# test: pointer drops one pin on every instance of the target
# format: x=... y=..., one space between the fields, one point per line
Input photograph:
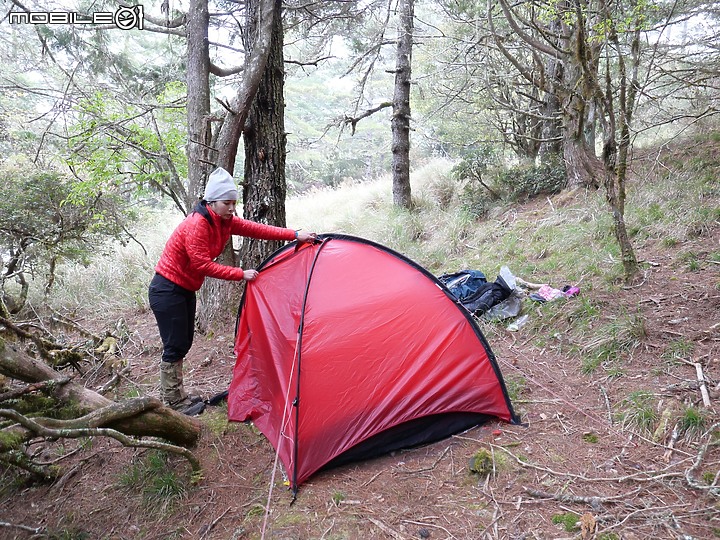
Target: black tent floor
x=412 y=434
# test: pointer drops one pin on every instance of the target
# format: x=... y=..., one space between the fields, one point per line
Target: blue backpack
x=474 y=292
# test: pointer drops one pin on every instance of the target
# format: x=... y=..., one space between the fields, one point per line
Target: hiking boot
x=172 y=392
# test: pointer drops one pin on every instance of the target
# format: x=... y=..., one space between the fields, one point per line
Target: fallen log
x=160 y=422
x=41 y=428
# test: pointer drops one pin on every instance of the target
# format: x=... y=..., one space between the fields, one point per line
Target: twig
x=607 y=405
x=703 y=387
x=214 y=522
x=387 y=530
x=34 y=530
x=114 y=380
x=42 y=386
x=328 y=530
x=74 y=325
x=638 y=477
x=66 y=477
x=60 y=458
x=354 y=121
x=372 y=479
x=423 y=524
x=659 y=512
x=43 y=345
x=567 y=431
x=431 y=467
x=496 y=515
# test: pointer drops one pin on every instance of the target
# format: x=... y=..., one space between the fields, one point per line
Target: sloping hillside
x=616 y=442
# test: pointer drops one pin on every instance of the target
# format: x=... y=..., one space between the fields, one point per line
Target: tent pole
x=296 y=401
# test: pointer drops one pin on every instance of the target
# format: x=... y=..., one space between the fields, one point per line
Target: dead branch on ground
x=648 y=476
x=714 y=488
x=160 y=422
x=44 y=386
x=594 y=501
x=130 y=408
x=33 y=530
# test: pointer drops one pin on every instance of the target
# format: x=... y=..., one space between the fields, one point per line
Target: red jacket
x=188 y=257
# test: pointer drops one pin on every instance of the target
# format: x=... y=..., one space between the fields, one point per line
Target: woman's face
x=224 y=209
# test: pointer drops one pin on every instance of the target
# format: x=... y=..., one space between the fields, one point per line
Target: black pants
x=174 y=309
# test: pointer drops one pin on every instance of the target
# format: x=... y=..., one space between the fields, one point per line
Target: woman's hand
x=305 y=237
x=250 y=275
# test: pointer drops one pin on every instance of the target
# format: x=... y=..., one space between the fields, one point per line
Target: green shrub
x=527 y=181
x=637 y=411
x=160 y=486
x=693 y=422
x=568 y=520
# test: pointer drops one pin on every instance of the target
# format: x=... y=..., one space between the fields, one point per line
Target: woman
x=188 y=258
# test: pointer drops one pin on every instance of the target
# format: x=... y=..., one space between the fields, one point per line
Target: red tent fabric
x=346 y=349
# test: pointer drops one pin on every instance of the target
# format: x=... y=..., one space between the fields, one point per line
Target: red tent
x=347 y=350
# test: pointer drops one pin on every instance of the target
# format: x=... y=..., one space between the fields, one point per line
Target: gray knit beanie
x=220 y=187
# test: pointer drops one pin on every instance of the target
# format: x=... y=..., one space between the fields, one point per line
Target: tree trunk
x=218 y=299
x=618 y=113
x=551 y=145
x=198 y=100
x=584 y=169
x=401 y=107
x=261 y=16
x=615 y=173
x=163 y=422
x=265 y=150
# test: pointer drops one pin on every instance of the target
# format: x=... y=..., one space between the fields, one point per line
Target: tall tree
x=213 y=139
x=573 y=44
x=616 y=99
x=400 y=123
x=265 y=147
x=573 y=52
x=365 y=64
x=199 y=137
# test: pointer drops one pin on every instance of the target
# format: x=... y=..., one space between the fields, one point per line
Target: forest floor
x=573 y=469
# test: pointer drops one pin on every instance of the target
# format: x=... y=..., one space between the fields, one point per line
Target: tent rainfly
x=347 y=350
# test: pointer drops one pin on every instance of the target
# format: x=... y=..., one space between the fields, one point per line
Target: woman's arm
x=252 y=229
x=198 y=243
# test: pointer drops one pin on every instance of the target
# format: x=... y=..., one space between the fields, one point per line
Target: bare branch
x=353 y=121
